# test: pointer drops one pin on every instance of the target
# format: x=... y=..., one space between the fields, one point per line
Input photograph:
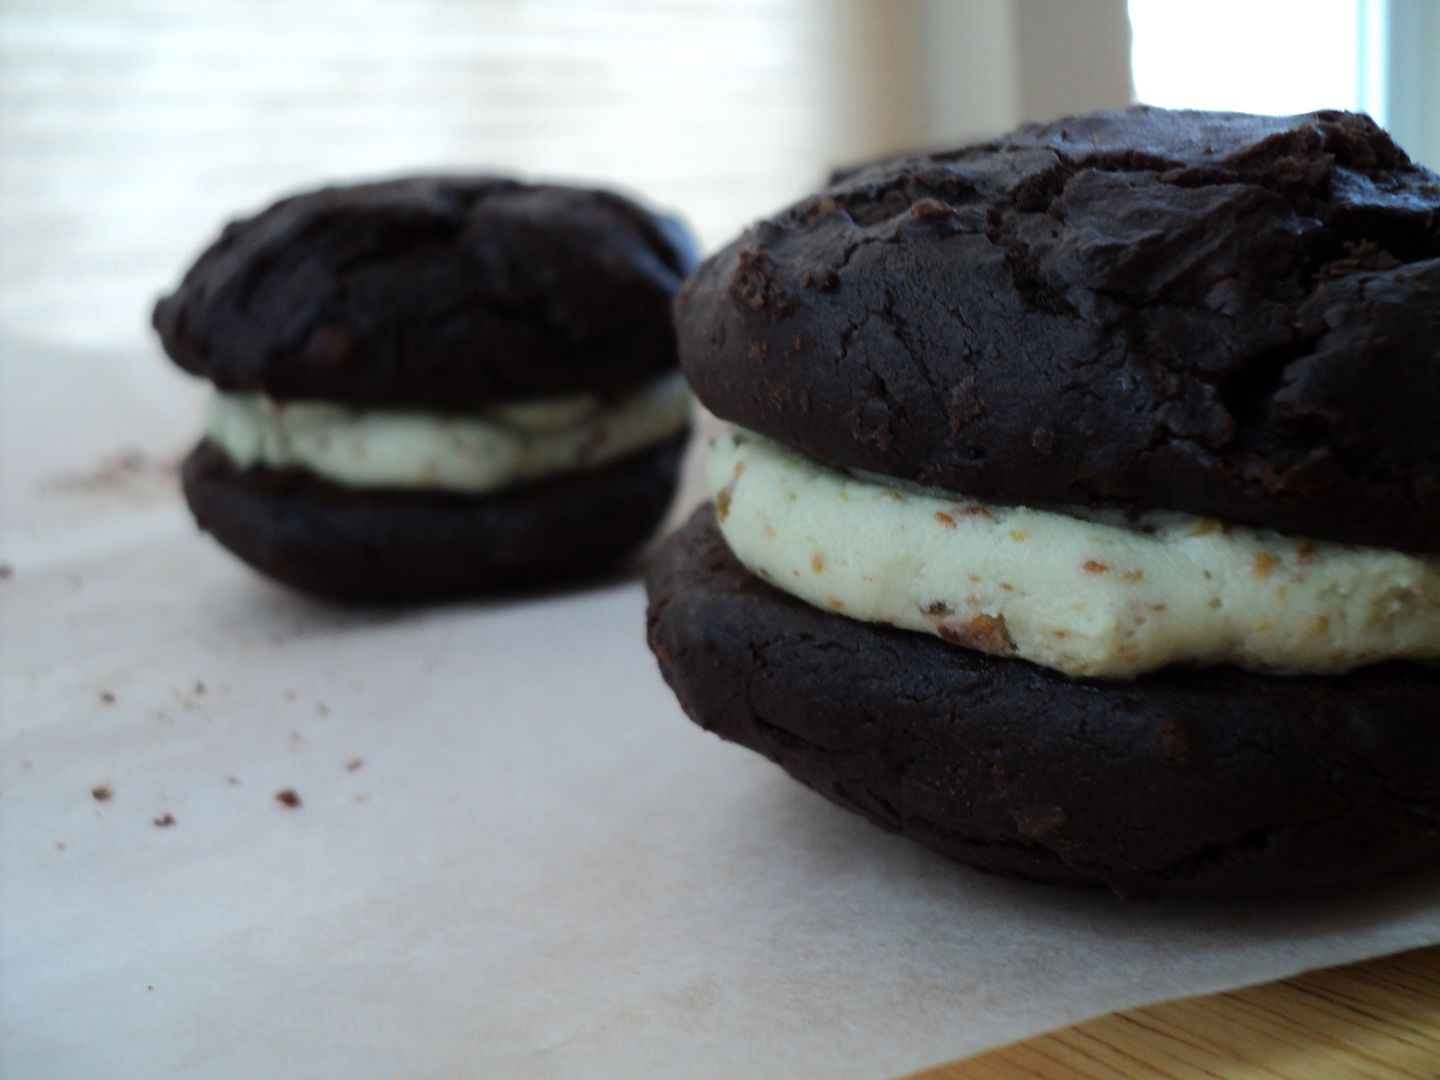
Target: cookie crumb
x=59 y=845
x=107 y=696
x=6 y=571
x=354 y=764
x=288 y=798
x=101 y=793
x=233 y=781
x=164 y=821
x=199 y=687
x=121 y=469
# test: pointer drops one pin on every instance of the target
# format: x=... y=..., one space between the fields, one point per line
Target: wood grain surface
x=1380 y=1018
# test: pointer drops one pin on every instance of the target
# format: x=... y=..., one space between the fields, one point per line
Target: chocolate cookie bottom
x=1207 y=781
x=355 y=544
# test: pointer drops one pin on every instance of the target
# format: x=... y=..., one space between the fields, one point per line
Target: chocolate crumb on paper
x=354 y=764
x=288 y=799
x=107 y=696
x=127 y=470
x=164 y=821
x=101 y=793
x=6 y=571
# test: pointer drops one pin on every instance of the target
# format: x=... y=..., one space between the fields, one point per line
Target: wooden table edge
x=1376 y=1018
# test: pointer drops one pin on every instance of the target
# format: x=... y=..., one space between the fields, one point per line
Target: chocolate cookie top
x=440 y=292
x=1229 y=315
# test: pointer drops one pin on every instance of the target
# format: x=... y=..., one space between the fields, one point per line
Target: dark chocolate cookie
x=1213 y=781
x=1229 y=315
x=433 y=292
x=376 y=545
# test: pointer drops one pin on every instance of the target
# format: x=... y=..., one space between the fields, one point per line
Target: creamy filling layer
x=1090 y=594
x=475 y=453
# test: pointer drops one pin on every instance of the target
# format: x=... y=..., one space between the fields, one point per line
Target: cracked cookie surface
x=1211 y=781
x=449 y=293
x=1227 y=315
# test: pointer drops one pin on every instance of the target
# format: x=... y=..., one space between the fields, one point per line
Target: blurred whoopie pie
x=436 y=385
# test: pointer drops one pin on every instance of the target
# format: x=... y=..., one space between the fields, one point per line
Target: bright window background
x=132 y=129
x=1259 y=56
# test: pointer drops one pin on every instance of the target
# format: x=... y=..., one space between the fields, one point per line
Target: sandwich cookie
x=1082 y=515
x=435 y=386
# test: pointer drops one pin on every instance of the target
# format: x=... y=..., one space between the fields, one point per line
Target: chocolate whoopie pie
x=1082 y=512
x=436 y=385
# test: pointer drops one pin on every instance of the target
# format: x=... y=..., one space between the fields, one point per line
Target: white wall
x=993 y=64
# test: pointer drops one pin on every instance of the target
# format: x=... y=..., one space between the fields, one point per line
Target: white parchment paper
x=513 y=856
